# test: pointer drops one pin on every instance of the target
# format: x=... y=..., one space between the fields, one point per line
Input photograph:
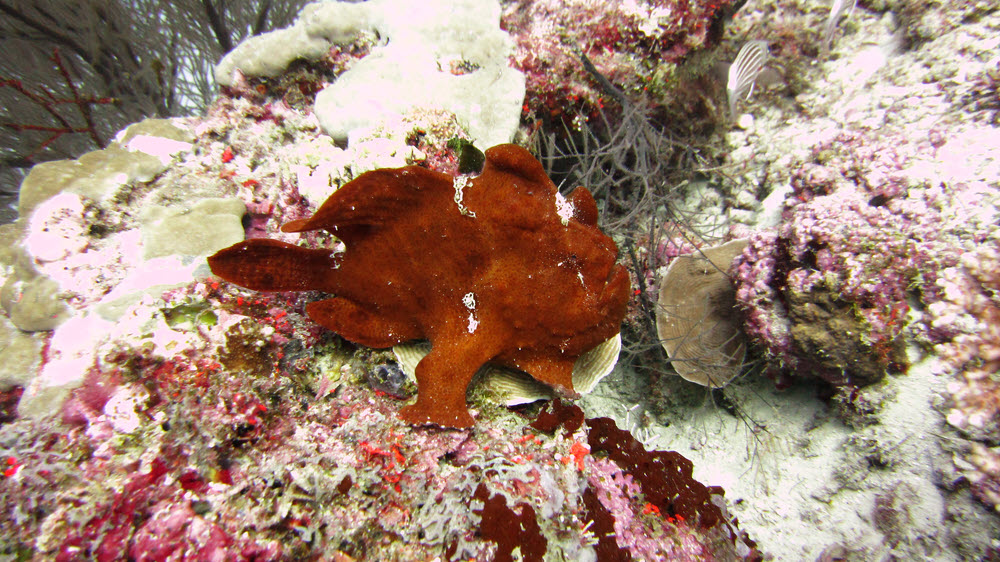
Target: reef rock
x=499 y=268
x=446 y=54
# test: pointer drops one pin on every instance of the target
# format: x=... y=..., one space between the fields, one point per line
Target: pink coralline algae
x=864 y=236
x=622 y=470
x=838 y=268
x=827 y=292
x=237 y=450
x=152 y=521
x=968 y=318
x=634 y=44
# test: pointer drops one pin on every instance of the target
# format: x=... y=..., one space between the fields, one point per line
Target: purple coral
x=828 y=290
x=863 y=236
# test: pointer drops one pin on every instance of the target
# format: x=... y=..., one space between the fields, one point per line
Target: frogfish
x=498 y=268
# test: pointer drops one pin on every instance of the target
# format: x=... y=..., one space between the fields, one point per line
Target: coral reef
x=981 y=94
x=217 y=451
x=158 y=413
x=207 y=421
x=873 y=155
x=136 y=219
x=887 y=238
x=637 y=46
x=827 y=292
x=454 y=261
x=967 y=319
x=435 y=55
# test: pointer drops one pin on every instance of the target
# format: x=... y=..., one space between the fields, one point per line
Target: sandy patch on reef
x=799 y=479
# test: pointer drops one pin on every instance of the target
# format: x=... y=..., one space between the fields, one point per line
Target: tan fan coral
x=696 y=318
